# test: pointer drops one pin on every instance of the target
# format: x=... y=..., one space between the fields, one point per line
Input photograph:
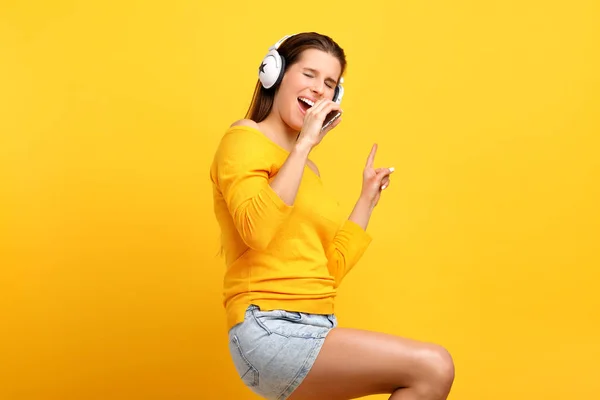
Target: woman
x=288 y=247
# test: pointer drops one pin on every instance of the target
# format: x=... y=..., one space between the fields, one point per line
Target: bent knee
x=440 y=367
x=443 y=364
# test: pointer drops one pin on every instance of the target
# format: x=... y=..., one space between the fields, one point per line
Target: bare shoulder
x=313 y=166
x=238 y=143
x=245 y=122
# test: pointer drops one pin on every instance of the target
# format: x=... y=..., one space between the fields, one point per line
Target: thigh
x=354 y=363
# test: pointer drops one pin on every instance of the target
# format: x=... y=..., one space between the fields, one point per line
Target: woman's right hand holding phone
x=314 y=119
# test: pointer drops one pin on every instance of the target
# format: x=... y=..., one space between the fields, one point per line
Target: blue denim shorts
x=274 y=350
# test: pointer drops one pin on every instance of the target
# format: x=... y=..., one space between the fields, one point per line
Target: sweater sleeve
x=242 y=174
x=347 y=247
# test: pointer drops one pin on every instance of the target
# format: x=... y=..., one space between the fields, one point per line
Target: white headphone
x=272 y=68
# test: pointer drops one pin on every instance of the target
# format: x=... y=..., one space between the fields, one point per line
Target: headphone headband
x=283 y=39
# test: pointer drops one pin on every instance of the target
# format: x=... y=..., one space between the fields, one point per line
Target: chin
x=296 y=127
x=294 y=123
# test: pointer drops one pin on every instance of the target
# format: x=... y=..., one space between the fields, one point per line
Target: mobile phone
x=332 y=116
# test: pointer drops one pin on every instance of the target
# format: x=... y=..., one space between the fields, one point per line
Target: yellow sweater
x=277 y=256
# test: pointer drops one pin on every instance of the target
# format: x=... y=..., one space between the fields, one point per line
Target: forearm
x=349 y=243
x=287 y=181
x=361 y=214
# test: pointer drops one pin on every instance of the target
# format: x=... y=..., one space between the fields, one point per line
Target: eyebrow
x=316 y=72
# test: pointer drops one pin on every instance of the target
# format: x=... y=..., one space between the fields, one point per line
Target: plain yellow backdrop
x=486 y=242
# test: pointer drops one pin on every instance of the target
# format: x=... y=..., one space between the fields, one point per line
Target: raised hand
x=374 y=179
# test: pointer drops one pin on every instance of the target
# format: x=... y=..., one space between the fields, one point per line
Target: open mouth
x=305 y=103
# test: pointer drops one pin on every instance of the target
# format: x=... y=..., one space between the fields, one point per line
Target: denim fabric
x=273 y=350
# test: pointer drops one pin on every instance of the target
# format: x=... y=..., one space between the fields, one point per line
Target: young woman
x=288 y=246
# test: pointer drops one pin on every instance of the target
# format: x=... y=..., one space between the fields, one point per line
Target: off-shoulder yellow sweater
x=277 y=256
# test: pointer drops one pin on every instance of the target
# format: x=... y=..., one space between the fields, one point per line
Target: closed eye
x=330 y=83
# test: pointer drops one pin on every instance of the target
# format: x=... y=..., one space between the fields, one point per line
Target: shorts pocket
x=248 y=374
x=290 y=315
x=291 y=324
x=278 y=314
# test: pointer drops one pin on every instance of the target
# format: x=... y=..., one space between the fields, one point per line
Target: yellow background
x=486 y=242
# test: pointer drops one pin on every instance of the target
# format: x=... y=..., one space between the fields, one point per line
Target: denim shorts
x=274 y=350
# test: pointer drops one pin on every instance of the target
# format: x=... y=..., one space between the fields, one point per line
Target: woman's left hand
x=375 y=180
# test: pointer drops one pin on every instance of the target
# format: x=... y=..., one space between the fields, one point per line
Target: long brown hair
x=290 y=50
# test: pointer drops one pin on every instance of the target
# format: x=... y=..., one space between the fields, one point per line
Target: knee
x=441 y=372
x=444 y=366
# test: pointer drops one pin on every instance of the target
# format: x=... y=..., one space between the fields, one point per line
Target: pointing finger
x=371 y=158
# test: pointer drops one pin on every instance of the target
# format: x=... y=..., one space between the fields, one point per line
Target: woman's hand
x=311 y=133
x=374 y=180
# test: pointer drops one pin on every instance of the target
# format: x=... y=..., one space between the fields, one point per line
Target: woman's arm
x=374 y=181
x=352 y=239
x=361 y=213
x=287 y=181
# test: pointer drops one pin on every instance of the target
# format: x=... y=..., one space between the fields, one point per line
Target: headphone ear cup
x=270 y=69
x=339 y=93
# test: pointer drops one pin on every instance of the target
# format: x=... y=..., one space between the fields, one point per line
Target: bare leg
x=355 y=363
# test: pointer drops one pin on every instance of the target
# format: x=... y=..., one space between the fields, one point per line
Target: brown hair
x=290 y=50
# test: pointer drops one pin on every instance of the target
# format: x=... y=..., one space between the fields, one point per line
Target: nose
x=319 y=89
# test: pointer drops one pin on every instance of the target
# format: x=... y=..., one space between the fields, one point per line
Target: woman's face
x=312 y=77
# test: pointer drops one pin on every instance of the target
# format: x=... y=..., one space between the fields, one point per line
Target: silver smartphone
x=332 y=116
